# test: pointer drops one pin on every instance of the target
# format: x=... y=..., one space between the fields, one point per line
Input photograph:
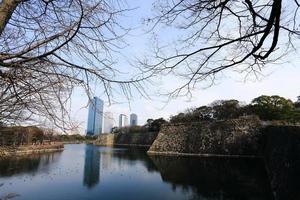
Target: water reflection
x=91 y=166
x=131 y=155
x=100 y=159
x=90 y=172
x=196 y=178
x=215 y=178
x=27 y=163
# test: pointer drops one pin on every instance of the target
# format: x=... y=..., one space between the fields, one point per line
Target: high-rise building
x=95 y=117
x=123 y=120
x=133 y=119
x=108 y=122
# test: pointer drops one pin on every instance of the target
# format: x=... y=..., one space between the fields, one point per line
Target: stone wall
x=105 y=140
x=238 y=137
x=133 y=139
x=282 y=159
x=277 y=145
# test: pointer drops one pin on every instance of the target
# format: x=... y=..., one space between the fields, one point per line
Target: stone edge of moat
x=29 y=149
x=127 y=145
x=170 y=153
x=78 y=142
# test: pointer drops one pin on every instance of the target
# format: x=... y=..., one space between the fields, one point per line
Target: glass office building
x=95 y=117
x=133 y=119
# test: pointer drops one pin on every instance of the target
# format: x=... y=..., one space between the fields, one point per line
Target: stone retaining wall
x=105 y=140
x=132 y=139
x=282 y=160
x=277 y=145
x=239 y=137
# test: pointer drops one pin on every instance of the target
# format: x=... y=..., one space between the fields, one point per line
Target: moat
x=88 y=172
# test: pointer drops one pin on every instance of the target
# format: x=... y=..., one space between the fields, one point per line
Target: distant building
x=95 y=117
x=297 y=103
x=108 y=122
x=133 y=119
x=123 y=120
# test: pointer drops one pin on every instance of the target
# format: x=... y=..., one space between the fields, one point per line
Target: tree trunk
x=7 y=7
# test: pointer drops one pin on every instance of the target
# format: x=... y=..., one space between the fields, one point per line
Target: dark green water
x=88 y=172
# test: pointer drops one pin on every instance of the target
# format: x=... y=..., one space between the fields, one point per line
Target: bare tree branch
x=219 y=35
x=50 y=47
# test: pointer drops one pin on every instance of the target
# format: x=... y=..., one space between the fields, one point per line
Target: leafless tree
x=48 y=47
x=218 y=35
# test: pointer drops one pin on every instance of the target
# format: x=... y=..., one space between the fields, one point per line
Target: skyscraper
x=108 y=122
x=133 y=119
x=95 y=117
x=123 y=120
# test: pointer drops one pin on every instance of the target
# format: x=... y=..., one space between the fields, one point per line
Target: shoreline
x=8 y=151
x=125 y=145
x=78 y=142
x=170 y=153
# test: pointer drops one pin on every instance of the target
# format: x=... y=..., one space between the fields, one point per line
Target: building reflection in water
x=91 y=166
x=96 y=160
x=106 y=159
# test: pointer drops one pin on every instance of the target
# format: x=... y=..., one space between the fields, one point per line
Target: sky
x=280 y=79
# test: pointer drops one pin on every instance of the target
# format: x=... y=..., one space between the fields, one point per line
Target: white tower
x=123 y=120
x=108 y=122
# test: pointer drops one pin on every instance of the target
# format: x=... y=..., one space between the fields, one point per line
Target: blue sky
x=281 y=79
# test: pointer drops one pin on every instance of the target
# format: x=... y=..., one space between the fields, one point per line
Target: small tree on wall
x=297 y=103
x=272 y=107
x=154 y=125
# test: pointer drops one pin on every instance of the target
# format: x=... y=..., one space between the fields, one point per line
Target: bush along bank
x=19 y=140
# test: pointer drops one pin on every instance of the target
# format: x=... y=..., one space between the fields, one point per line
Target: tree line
x=265 y=107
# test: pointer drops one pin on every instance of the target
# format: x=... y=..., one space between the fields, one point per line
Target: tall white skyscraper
x=123 y=120
x=95 y=117
x=133 y=119
x=108 y=122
